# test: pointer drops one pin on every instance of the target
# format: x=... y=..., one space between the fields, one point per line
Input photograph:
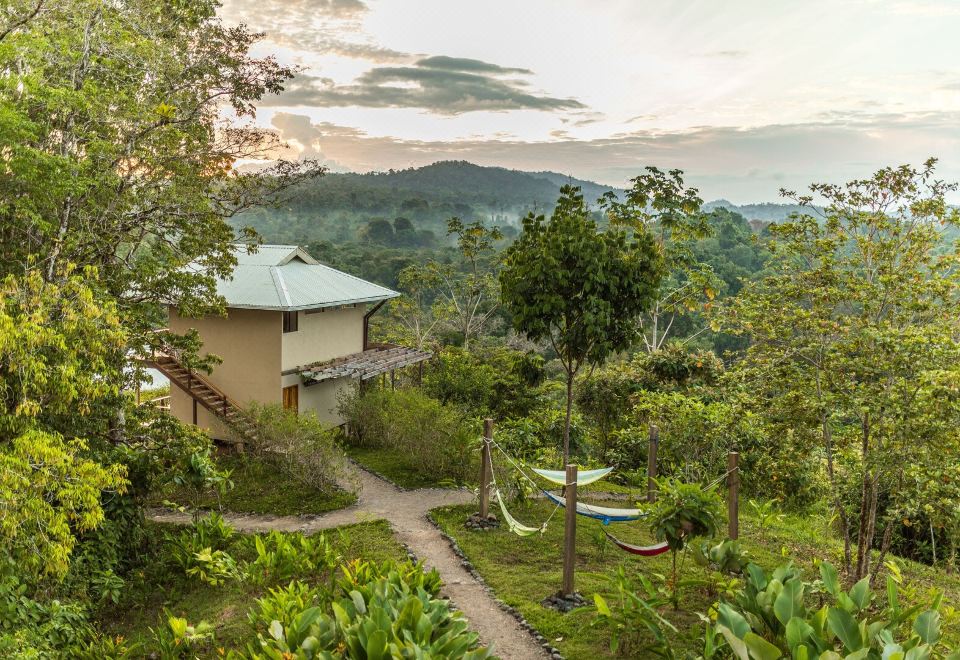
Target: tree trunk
x=868 y=507
x=566 y=423
x=884 y=547
x=837 y=502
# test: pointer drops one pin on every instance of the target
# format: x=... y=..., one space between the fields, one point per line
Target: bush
x=496 y=382
x=697 y=435
x=281 y=557
x=381 y=611
x=433 y=438
x=770 y=617
x=300 y=445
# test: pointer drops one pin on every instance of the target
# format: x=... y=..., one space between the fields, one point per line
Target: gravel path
x=406 y=511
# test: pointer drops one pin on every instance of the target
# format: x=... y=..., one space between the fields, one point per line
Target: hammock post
x=733 y=495
x=652 y=463
x=570 y=531
x=485 y=468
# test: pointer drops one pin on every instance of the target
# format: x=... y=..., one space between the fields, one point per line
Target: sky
x=746 y=96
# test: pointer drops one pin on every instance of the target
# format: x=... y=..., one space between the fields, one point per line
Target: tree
x=581 y=288
x=660 y=203
x=854 y=337
x=116 y=152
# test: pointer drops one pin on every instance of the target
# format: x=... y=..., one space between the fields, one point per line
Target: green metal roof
x=285 y=277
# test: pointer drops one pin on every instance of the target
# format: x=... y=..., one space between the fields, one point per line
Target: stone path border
x=407 y=513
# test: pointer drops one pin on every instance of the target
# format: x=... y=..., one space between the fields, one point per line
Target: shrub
x=498 y=382
x=770 y=617
x=300 y=445
x=283 y=604
x=281 y=557
x=380 y=611
x=432 y=438
x=208 y=534
x=631 y=612
x=176 y=638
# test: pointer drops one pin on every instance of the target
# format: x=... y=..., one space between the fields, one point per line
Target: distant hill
x=338 y=207
x=767 y=211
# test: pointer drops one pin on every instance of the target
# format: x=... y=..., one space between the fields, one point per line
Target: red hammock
x=643 y=550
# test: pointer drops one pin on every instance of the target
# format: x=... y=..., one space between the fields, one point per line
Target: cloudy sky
x=746 y=96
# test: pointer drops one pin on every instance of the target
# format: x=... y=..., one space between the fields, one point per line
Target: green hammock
x=512 y=524
x=583 y=478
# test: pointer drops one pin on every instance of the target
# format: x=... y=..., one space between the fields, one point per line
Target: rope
x=493 y=478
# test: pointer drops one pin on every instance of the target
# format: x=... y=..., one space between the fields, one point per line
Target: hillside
x=340 y=207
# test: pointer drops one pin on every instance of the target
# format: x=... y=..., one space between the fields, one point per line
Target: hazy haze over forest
x=745 y=96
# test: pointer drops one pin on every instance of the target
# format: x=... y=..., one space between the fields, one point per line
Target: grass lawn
x=261 y=487
x=523 y=571
x=152 y=589
x=395 y=466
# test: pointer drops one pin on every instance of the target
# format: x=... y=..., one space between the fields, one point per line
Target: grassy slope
x=259 y=487
x=525 y=570
x=154 y=589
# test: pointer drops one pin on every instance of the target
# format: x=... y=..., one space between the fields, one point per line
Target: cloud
x=440 y=84
x=727 y=53
x=743 y=165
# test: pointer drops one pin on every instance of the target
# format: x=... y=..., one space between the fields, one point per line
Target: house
x=295 y=333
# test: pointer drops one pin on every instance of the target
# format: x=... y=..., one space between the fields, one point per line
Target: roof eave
x=300 y=308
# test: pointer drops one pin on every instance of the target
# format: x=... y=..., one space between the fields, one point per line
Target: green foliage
x=299 y=444
x=772 y=616
x=631 y=612
x=728 y=556
x=565 y=281
x=175 y=637
x=853 y=338
x=206 y=535
x=201 y=476
x=500 y=383
x=681 y=513
x=283 y=604
x=433 y=438
x=281 y=557
x=765 y=514
x=379 y=612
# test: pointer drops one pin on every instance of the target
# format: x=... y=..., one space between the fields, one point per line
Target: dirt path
x=406 y=511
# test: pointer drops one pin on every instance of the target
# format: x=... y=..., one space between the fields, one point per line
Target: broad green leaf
x=737 y=645
x=601 y=604
x=858 y=655
x=927 y=626
x=732 y=620
x=797 y=630
x=831 y=581
x=761 y=649
x=860 y=593
x=789 y=603
x=844 y=626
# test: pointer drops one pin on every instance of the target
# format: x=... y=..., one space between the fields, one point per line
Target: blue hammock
x=604 y=514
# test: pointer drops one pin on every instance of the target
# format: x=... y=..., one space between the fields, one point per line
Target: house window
x=291 y=398
x=290 y=321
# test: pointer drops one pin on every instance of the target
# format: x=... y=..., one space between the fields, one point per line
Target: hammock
x=604 y=514
x=643 y=550
x=512 y=524
x=583 y=478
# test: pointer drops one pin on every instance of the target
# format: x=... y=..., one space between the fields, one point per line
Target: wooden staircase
x=206 y=394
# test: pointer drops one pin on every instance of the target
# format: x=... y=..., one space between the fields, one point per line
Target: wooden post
x=393 y=379
x=420 y=373
x=485 y=468
x=570 y=531
x=652 y=464
x=194 y=411
x=733 y=495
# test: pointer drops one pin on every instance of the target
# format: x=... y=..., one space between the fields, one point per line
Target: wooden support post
x=652 y=464
x=138 y=392
x=420 y=373
x=570 y=532
x=393 y=379
x=485 y=468
x=733 y=495
x=194 y=411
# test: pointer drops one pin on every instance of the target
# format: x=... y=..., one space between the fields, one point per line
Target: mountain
x=767 y=211
x=339 y=207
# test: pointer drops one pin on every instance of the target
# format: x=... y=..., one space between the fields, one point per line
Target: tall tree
x=660 y=203
x=581 y=288
x=855 y=337
x=120 y=123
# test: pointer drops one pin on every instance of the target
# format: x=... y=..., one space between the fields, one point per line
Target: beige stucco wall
x=323 y=336
x=321 y=398
x=249 y=342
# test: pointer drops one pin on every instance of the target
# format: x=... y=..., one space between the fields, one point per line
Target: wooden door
x=291 y=398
